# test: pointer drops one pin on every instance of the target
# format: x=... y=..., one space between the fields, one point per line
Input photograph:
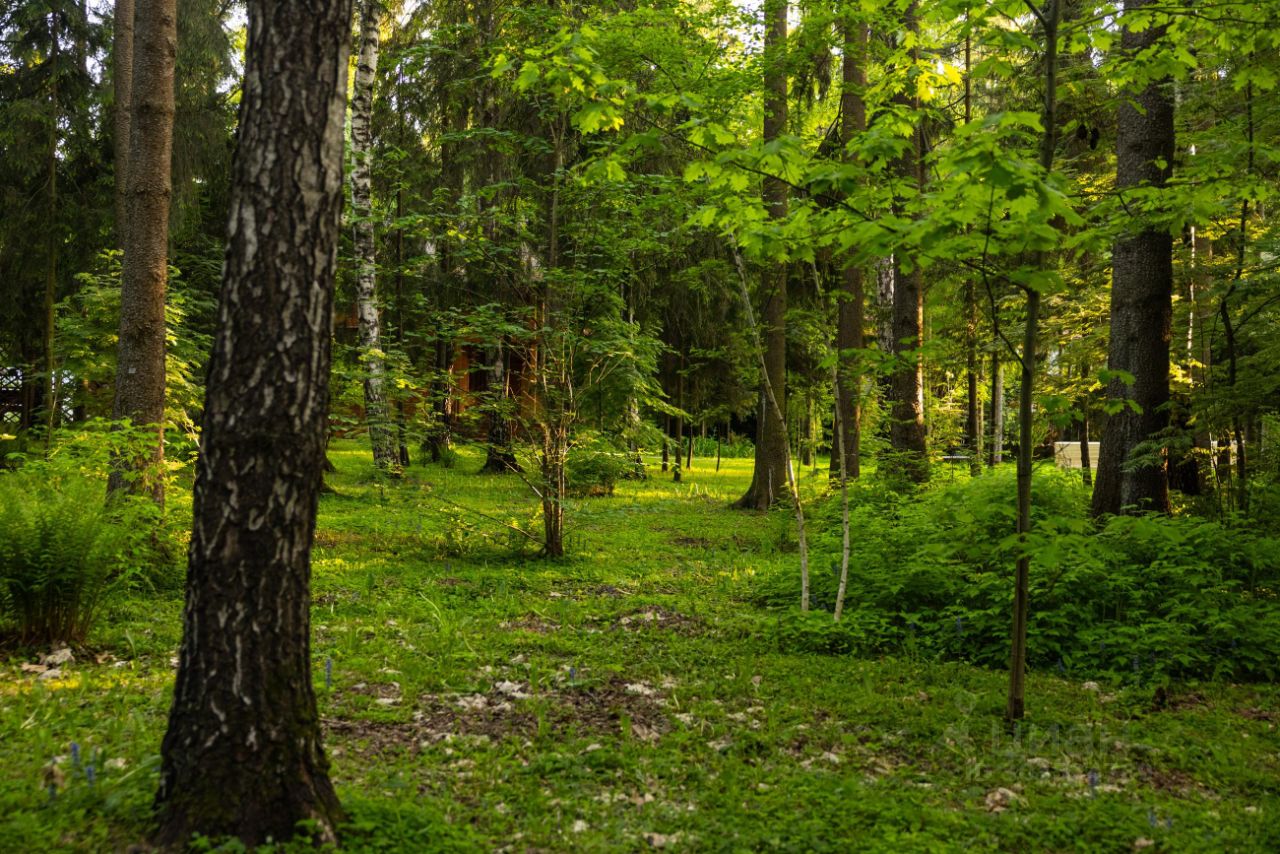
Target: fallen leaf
x=999 y=799
x=661 y=840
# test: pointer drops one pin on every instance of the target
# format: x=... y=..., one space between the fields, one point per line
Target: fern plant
x=59 y=556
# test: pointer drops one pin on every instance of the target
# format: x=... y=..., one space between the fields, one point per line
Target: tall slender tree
x=1130 y=476
x=242 y=755
x=906 y=419
x=769 y=475
x=122 y=85
x=140 y=362
x=1049 y=17
x=381 y=434
x=846 y=458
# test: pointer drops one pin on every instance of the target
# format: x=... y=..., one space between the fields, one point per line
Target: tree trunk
x=852 y=309
x=1086 y=463
x=242 y=755
x=122 y=80
x=1141 y=298
x=381 y=435
x=997 y=409
x=772 y=457
x=499 y=457
x=679 y=446
x=140 y=368
x=1015 y=707
x=51 y=241
x=906 y=417
x=973 y=406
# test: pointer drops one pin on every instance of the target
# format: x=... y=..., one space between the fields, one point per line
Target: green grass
x=483 y=698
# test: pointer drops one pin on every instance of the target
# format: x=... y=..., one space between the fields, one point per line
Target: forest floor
x=630 y=697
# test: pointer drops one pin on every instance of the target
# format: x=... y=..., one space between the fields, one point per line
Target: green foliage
x=87 y=335
x=896 y=752
x=61 y=554
x=1140 y=598
x=594 y=467
x=738 y=448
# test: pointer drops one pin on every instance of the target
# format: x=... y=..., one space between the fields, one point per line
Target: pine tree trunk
x=906 y=417
x=140 y=362
x=242 y=755
x=51 y=242
x=769 y=475
x=852 y=309
x=1141 y=297
x=381 y=435
x=122 y=83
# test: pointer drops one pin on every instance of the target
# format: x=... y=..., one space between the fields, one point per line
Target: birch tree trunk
x=381 y=435
x=140 y=368
x=242 y=755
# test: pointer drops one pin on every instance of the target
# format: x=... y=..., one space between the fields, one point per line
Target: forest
x=614 y=425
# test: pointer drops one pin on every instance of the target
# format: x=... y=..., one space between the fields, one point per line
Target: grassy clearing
x=630 y=697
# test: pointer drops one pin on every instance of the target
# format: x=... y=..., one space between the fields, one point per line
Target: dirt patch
x=607 y=591
x=692 y=542
x=611 y=708
x=368 y=737
x=532 y=623
x=1257 y=714
x=1190 y=701
x=657 y=617
x=1169 y=780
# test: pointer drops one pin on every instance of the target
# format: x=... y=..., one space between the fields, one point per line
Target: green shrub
x=58 y=555
x=594 y=469
x=740 y=448
x=1140 y=598
x=63 y=550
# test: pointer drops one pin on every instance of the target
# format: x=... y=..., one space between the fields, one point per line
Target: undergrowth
x=1135 y=598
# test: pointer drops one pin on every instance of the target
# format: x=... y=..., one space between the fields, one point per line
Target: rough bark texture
x=140 y=380
x=381 y=434
x=906 y=417
x=769 y=475
x=1141 y=299
x=851 y=316
x=242 y=754
x=122 y=81
x=906 y=424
